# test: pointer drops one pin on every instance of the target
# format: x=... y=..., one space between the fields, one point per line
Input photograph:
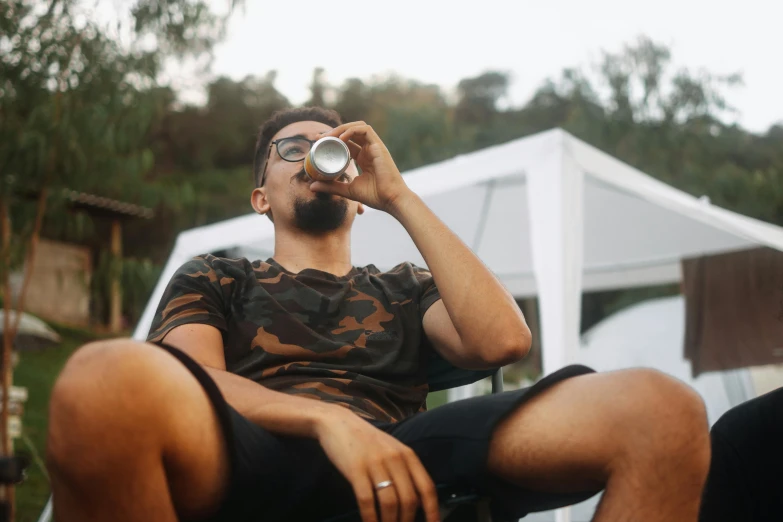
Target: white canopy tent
x=549 y=214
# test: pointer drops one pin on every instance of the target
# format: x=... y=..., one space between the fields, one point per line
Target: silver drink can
x=328 y=158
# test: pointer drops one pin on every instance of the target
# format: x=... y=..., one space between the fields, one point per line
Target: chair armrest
x=442 y=375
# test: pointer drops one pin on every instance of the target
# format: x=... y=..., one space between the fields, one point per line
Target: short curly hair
x=284 y=118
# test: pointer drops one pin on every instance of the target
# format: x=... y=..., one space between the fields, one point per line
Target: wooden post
x=115 y=307
x=6 y=492
x=5 y=439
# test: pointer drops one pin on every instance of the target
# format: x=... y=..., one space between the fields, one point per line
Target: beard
x=324 y=213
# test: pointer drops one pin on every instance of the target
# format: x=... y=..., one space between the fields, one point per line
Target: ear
x=360 y=209
x=259 y=200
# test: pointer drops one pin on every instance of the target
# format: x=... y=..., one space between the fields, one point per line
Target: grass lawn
x=36 y=372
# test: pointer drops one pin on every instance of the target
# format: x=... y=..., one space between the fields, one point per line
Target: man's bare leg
x=640 y=433
x=133 y=437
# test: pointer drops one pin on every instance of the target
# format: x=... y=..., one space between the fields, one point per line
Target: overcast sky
x=444 y=41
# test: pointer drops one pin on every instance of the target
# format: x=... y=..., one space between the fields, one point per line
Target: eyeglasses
x=291 y=149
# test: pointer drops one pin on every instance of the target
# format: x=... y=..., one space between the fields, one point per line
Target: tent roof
x=636 y=229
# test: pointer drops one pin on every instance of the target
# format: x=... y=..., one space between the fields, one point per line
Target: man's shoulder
x=404 y=269
x=404 y=277
x=213 y=266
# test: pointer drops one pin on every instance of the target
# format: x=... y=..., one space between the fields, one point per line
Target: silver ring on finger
x=383 y=485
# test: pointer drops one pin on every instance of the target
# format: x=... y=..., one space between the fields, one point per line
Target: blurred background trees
x=107 y=127
x=79 y=101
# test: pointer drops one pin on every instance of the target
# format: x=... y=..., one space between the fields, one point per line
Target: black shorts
x=280 y=478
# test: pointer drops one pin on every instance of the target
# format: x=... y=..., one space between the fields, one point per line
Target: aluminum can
x=327 y=160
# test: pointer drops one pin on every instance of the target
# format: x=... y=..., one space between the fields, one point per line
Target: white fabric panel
x=615 y=173
x=520 y=285
x=379 y=239
x=497 y=162
x=555 y=202
x=505 y=242
x=523 y=285
x=598 y=279
x=624 y=230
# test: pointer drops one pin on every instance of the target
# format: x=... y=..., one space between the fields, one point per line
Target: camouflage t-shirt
x=355 y=340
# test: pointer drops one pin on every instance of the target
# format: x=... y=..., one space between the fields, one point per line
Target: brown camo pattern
x=356 y=340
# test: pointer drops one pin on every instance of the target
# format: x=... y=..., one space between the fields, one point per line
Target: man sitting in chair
x=294 y=388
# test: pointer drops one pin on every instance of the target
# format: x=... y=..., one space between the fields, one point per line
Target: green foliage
x=137 y=279
x=479 y=96
x=78 y=105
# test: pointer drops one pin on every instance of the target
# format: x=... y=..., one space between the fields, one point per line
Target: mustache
x=301 y=176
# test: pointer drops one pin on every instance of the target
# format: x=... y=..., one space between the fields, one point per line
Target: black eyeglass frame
x=276 y=144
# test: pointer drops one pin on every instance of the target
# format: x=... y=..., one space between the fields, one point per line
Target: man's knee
x=120 y=409
x=106 y=386
x=668 y=399
x=121 y=368
x=662 y=416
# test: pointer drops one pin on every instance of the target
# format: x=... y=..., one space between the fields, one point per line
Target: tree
x=318 y=89
x=353 y=100
x=76 y=103
x=203 y=157
x=479 y=97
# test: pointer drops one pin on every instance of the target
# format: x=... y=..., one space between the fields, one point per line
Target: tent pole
x=555 y=200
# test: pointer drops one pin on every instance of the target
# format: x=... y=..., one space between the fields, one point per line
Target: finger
x=342 y=128
x=354 y=147
x=406 y=492
x=424 y=485
x=360 y=134
x=365 y=497
x=332 y=187
x=387 y=497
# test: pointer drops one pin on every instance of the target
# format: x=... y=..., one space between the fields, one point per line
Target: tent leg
x=563 y=515
x=46 y=514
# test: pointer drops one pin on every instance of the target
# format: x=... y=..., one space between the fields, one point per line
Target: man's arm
x=275 y=411
x=478 y=324
x=363 y=454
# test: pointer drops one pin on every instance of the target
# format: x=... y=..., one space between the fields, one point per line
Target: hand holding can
x=380 y=184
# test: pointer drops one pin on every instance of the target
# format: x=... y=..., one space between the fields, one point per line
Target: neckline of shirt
x=314 y=271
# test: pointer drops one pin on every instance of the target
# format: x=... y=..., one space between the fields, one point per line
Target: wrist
x=399 y=205
x=323 y=418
